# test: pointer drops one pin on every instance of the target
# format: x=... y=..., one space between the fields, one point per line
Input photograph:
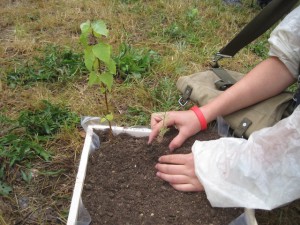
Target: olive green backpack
x=202 y=87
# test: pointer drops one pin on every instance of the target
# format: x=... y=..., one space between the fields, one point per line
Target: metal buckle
x=182 y=102
x=186 y=96
x=218 y=56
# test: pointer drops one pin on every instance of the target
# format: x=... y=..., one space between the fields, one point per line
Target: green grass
x=163 y=95
x=25 y=140
x=47 y=120
x=57 y=64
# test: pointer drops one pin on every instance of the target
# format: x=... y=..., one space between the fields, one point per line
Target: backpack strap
x=268 y=16
x=226 y=80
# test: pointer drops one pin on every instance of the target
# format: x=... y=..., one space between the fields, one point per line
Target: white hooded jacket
x=262 y=172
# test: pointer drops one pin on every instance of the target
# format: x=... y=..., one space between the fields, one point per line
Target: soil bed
x=121 y=186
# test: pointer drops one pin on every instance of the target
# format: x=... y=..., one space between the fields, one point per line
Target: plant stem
x=106 y=104
x=107 y=112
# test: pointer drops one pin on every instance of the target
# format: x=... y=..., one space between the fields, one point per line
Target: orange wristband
x=200 y=117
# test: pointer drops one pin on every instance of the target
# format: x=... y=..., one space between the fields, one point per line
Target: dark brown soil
x=121 y=187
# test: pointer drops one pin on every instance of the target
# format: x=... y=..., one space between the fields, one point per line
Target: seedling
x=162 y=130
x=98 y=61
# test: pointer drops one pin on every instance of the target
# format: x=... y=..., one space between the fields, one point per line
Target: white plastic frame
x=87 y=147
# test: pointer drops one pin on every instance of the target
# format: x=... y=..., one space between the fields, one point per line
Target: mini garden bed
x=121 y=187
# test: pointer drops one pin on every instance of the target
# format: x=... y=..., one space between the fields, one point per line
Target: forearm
x=266 y=80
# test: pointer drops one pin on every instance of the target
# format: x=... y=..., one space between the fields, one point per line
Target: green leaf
x=94 y=78
x=47 y=128
x=103 y=120
x=46 y=155
x=107 y=79
x=102 y=51
x=109 y=117
x=89 y=58
x=4 y=189
x=85 y=27
x=96 y=65
x=84 y=39
x=26 y=177
x=85 y=32
x=112 y=66
x=99 y=28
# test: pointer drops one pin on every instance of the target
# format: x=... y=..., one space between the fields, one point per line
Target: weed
x=4 y=188
x=260 y=48
x=6 y=123
x=15 y=149
x=26 y=176
x=192 y=16
x=20 y=149
x=176 y=31
x=60 y=64
x=186 y=29
x=134 y=63
x=22 y=76
x=47 y=120
x=57 y=65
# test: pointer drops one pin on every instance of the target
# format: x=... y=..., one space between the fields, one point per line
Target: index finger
x=178 y=159
x=154 y=132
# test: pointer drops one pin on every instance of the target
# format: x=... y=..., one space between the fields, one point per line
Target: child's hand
x=179 y=171
x=185 y=121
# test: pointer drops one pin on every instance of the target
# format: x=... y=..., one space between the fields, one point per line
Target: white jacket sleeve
x=285 y=41
x=262 y=172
